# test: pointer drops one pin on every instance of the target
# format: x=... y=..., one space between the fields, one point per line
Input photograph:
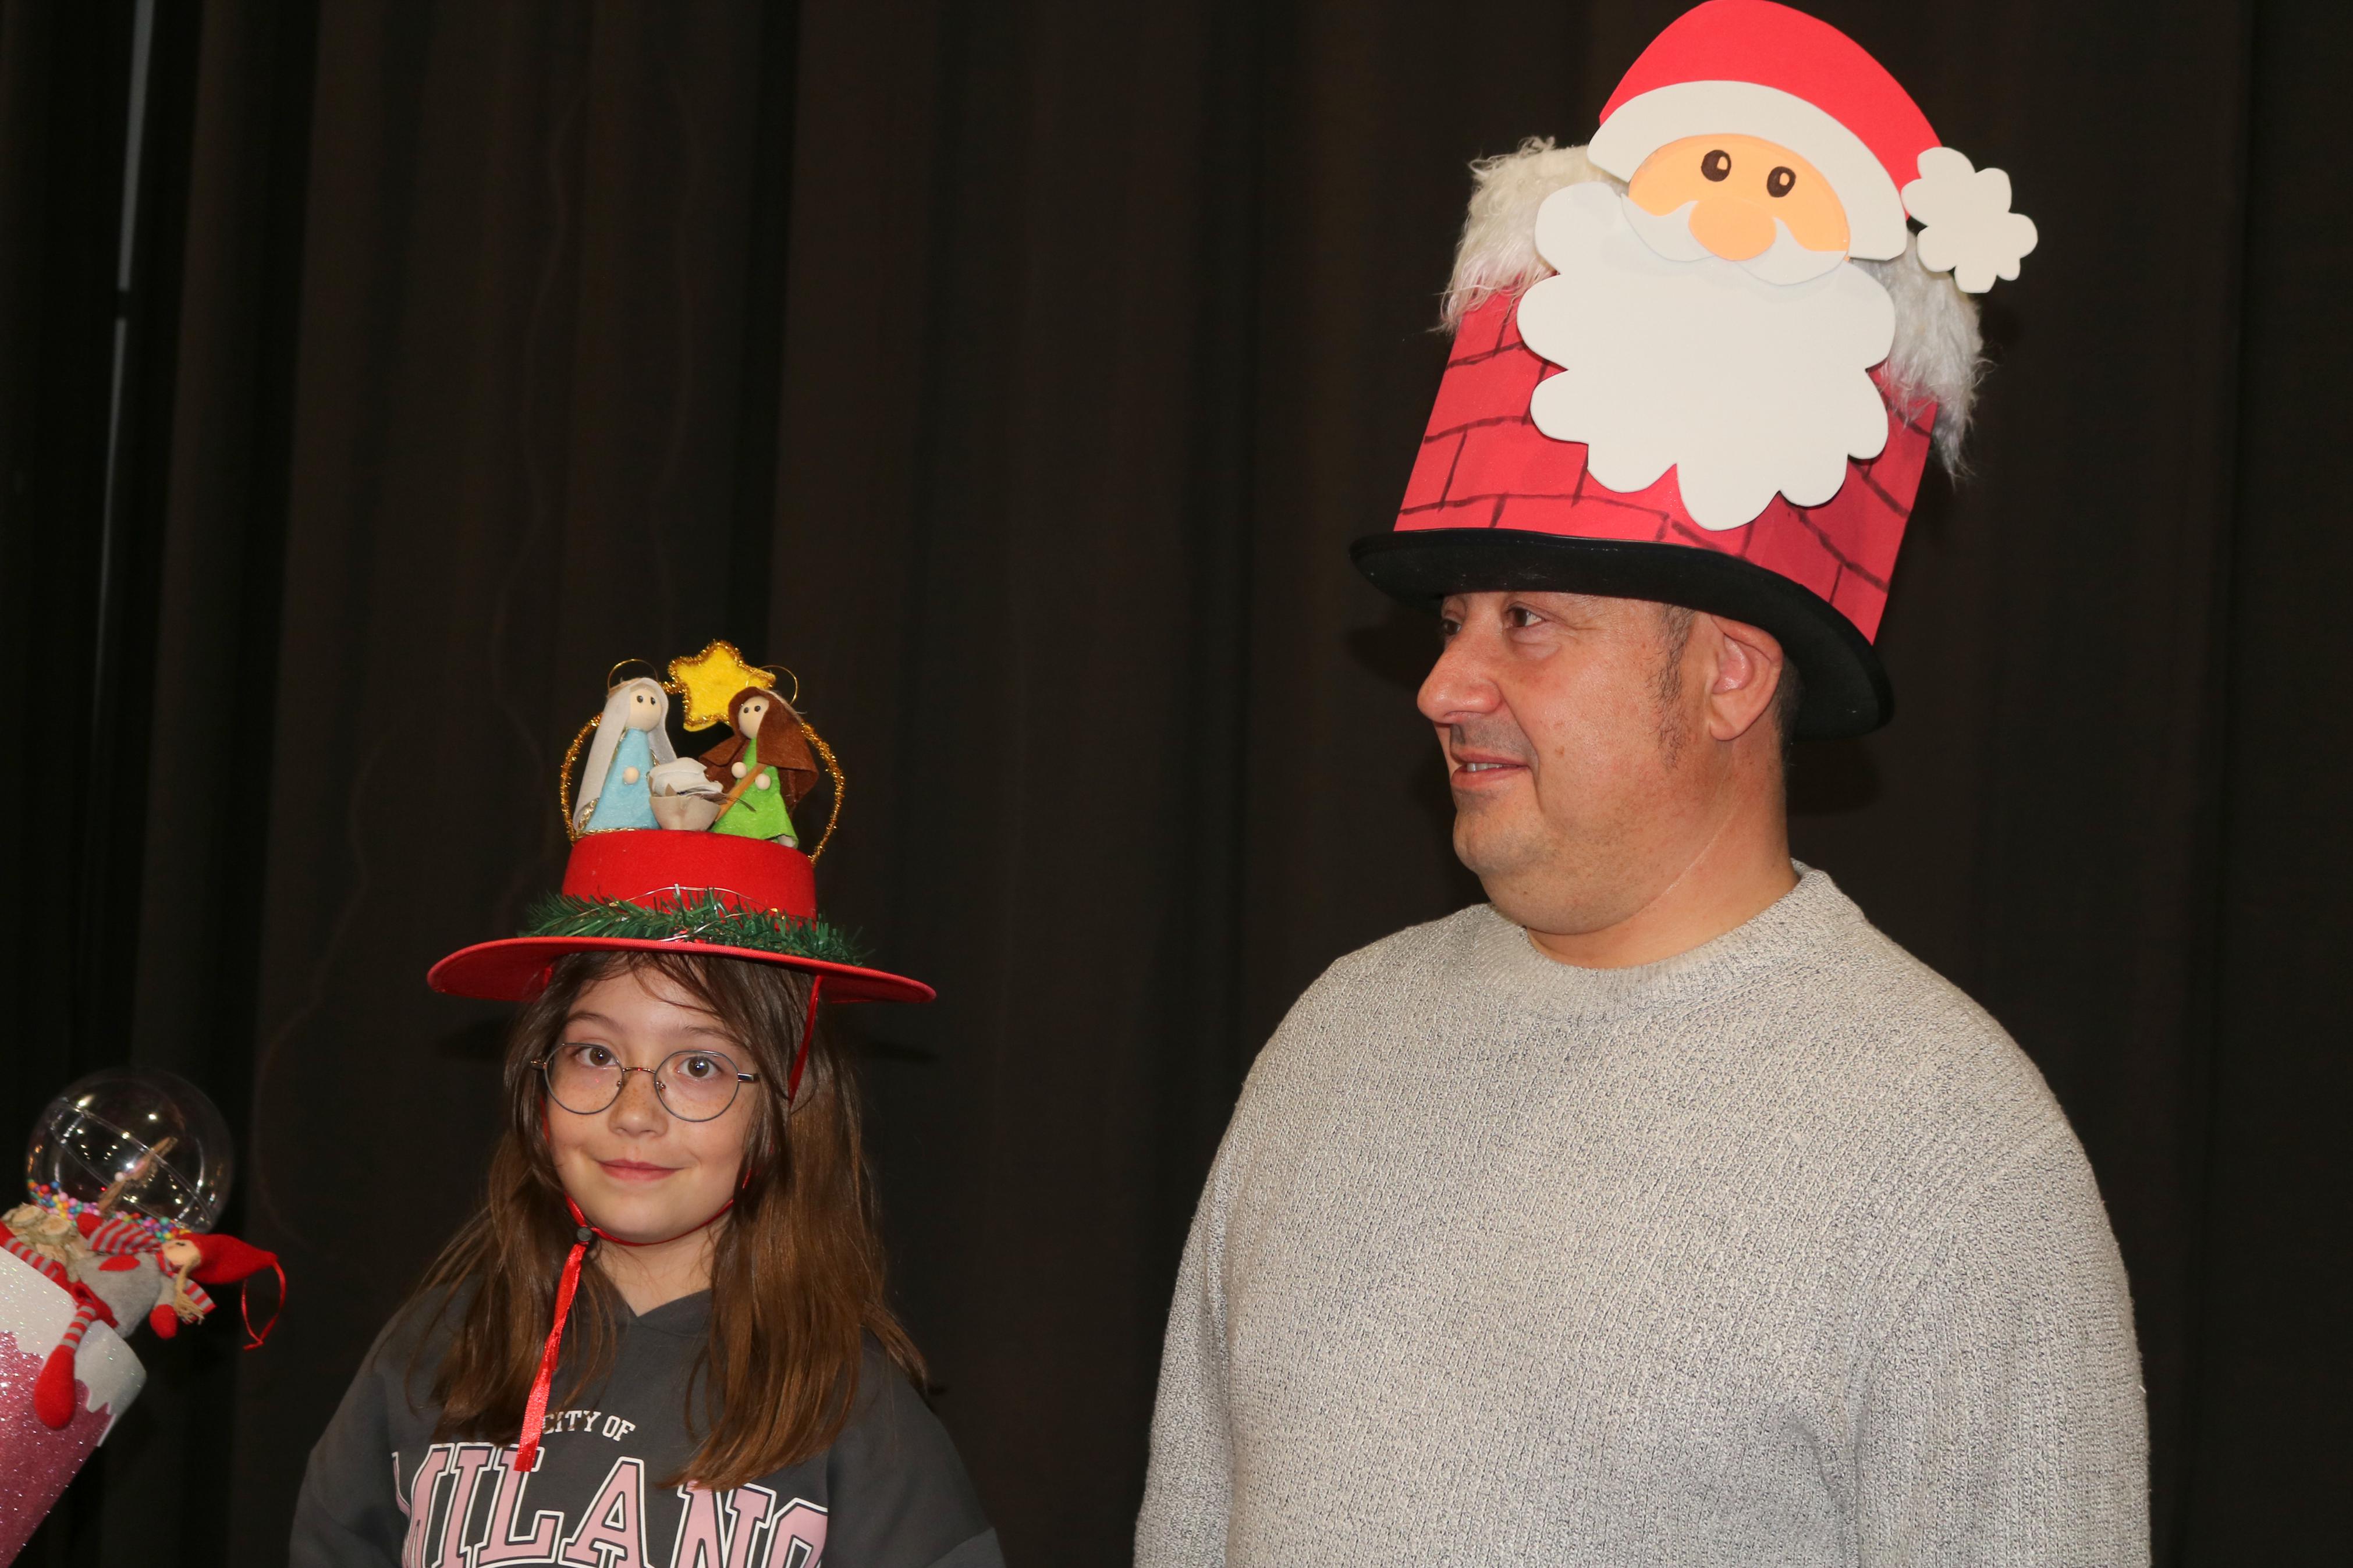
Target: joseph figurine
x=766 y=767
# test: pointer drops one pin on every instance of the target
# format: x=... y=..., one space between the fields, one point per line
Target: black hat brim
x=1846 y=688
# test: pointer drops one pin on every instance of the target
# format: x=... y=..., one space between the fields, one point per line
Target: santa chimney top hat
x=1558 y=459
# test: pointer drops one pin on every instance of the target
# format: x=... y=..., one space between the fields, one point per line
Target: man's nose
x=1457 y=683
x=1731 y=228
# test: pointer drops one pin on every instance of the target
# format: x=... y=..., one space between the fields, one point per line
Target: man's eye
x=1447 y=627
x=1521 y=617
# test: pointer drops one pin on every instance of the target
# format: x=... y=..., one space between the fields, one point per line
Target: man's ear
x=1747 y=663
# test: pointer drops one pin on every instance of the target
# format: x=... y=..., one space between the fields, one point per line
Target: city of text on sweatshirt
x=380 y=1491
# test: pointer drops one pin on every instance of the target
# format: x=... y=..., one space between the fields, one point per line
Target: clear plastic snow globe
x=144 y=1141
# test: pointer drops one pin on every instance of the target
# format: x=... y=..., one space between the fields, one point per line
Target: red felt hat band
x=656 y=868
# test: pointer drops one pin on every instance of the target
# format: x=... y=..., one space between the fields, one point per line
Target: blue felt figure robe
x=624 y=804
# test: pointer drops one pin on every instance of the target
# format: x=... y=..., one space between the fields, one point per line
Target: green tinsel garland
x=705 y=918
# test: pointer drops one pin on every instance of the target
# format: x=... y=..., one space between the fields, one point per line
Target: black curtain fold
x=1018 y=374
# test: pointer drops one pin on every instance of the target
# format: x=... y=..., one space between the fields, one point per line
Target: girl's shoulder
x=899 y=1491
x=409 y=1347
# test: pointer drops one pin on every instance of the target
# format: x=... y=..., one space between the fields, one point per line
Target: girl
x=662 y=1341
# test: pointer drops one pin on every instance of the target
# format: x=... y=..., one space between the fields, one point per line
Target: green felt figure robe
x=760 y=812
x=766 y=768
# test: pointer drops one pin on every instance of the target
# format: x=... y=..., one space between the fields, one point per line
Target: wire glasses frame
x=587 y=1088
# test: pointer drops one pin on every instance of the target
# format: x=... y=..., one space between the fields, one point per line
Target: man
x=1662 y=1211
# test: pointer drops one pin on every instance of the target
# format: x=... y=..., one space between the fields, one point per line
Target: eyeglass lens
x=694 y=1086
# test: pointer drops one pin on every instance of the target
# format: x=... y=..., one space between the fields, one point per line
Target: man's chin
x=1490 y=841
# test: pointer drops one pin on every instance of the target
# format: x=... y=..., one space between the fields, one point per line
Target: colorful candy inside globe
x=139 y=1142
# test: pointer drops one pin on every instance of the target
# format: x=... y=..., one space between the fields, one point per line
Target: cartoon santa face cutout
x=1745 y=199
x=1711 y=320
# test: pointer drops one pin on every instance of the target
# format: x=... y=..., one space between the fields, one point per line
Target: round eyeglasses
x=694 y=1086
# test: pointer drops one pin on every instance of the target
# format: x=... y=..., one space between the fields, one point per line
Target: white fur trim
x=1937 y=355
x=1647 y=121
x=1968 y=228
x=1497 y=254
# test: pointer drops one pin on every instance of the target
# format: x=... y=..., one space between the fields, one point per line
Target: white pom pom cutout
x=1967 y=226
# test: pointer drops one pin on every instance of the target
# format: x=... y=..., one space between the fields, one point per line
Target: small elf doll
x=120 y=1268
x=766 y=768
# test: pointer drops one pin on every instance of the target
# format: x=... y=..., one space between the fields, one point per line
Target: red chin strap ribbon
x=808 y=1033
x=535 y=1409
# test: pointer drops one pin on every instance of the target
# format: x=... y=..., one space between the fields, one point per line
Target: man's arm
x=2002 y=1419
x=1189 y=1486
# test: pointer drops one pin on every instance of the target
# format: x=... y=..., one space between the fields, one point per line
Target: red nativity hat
x=714 y=870
x=1706 y=360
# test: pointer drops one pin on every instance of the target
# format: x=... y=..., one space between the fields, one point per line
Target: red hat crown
x=1484 y=464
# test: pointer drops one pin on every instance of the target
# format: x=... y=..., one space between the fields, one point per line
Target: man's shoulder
x=1444 y=941
x=1371 y=999
x=1405 y=964
x=1897 y=1042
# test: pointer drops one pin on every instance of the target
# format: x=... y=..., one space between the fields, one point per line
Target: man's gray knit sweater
x=1777 y=1252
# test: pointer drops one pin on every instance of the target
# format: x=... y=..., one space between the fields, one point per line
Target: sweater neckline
x=1800 y=923
x=686 y=1317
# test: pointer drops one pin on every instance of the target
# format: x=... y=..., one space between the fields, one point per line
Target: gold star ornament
x=709 y=681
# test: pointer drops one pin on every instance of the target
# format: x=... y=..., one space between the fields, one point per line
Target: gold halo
x=649 y=664
x=795 y=699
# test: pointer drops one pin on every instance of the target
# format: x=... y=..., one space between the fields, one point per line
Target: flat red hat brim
x=514 y=968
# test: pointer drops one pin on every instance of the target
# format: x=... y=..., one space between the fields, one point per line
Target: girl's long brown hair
x=797 y=1276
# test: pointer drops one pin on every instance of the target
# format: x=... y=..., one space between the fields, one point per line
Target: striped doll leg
x=53 y=1392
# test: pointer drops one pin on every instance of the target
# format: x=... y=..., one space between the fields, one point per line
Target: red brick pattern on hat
x=1484 y=464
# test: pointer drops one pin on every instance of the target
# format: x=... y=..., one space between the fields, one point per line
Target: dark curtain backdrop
x=1018 y=374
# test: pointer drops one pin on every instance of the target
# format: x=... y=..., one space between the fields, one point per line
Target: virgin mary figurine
x=631 y=738
x=764 y=770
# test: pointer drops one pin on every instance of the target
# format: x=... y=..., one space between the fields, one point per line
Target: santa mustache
x=1783 y=261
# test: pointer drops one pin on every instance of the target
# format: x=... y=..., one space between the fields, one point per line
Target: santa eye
x=1778 y=182
x=1716 y=166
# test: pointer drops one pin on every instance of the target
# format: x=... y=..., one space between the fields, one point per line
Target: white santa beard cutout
x=1746 y=389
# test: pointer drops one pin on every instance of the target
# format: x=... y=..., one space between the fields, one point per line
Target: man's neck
x=1743 y=870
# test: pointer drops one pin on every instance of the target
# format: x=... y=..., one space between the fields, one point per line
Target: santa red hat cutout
x=1705 y=359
